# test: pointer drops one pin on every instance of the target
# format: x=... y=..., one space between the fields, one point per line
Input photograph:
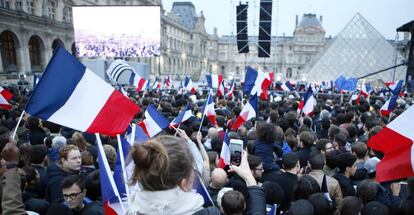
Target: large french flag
x=396 y=142
x=308 y=102
x=389 y=105
x=208 y=109
x=257 y=82
x=287 y=87
x=214 y=80
x=183 y=116
x=224 y=159
x=112 y=199
x=248 y=112
x=154 y=122
x=71 y=95
x=5 y=96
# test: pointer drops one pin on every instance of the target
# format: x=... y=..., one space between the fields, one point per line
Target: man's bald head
x=218 y=178
x=212 y=133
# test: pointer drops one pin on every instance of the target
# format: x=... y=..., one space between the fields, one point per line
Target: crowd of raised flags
x=84 y=102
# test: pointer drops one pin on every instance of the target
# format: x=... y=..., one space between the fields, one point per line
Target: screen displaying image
x=117 y=31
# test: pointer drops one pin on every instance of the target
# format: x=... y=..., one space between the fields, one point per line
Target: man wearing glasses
x=74 y=194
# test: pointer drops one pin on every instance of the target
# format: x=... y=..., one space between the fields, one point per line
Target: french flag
x=396 y=142
x=71 y=95
x=167 y=82
x=183 y=116
x=308 y=102
x=366 y=90
x=248 y=112
x=112 y=199
x=257 y=82
x=5 y=96
x=139 y=137
x=224 y=159
x=198 y=187
x=287 y=87
x=140 y=83
x=154 y=122
x=189 y=86
x=208 y=109
x=156 y=85
x=389 y=106
x=222 y=89
x=396 y=88
x=214 y=81
x=230 y=91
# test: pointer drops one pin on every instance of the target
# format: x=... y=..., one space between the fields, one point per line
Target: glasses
x=71 y=196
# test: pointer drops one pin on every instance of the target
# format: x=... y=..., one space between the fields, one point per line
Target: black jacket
x=256 y=202
x=287 y=181
x=55 y=174
x=347 y=187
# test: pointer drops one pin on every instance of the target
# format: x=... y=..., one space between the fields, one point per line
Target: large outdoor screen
x=117 y=31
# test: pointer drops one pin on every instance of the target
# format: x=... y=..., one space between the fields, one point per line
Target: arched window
x=34 y=51
x=8 y=49
x=289 y=73
x=57 y=43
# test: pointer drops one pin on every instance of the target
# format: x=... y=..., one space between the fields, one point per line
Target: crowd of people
x=51 y=169
x=111 y=46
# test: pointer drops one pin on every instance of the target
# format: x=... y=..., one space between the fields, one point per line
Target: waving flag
x=154 y=122
x=36 y=79
x=71 y=95
x=396 y=142
x=188 y=85
x=140 y=83
x=230 y=92
x=224 y=159
x=342 y=83
x=198 y=187
x=366 y=90
x=273 y=210
x=118 y=68
x=113 y=203
x=389 y=106
x=396 y=88
x=183 y=116
x=287 y=87
x=167 y=82
x=257 y=82
x=214 y=81
x=249 y=112
x=222 y=90
x=156 y=85
x=5 y=96
x=208 y=109
x=308 y=102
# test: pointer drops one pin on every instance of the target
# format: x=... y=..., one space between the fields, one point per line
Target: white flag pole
x=122 y=159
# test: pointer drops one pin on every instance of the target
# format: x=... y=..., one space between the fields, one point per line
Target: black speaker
x=242 y=37
x=265 y=28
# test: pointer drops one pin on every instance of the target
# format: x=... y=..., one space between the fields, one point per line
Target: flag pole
x=18 y=123
x=201 y=124
x=134 y=128
x=104 y=159
x=122 y=159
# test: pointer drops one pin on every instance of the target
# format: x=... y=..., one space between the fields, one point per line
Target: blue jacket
x=265 y=151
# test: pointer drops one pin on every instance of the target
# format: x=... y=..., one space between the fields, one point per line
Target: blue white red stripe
x=154 y=122
x=396 y=142
x=71 y=95
x=214 y=80
x=230 y=92
x=188 y=85
x=5 y=96
x=224 y=159
x=183 y=116
x=389 y=105
x=248 y=112
x=308 y=102
x=208 y=109
x=257 y=82
x=287 y=87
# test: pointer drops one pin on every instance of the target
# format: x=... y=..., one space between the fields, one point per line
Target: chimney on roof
x=297 y=18
x=320 y=18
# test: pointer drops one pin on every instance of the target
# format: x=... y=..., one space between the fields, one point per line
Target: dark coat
x=347 y=187
x=287 y=181
x=265 y=151
x=55 y=174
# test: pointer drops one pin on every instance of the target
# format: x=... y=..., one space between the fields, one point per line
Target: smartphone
x=236 y=149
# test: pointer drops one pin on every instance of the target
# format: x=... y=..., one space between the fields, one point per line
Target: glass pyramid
x=359 y=49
